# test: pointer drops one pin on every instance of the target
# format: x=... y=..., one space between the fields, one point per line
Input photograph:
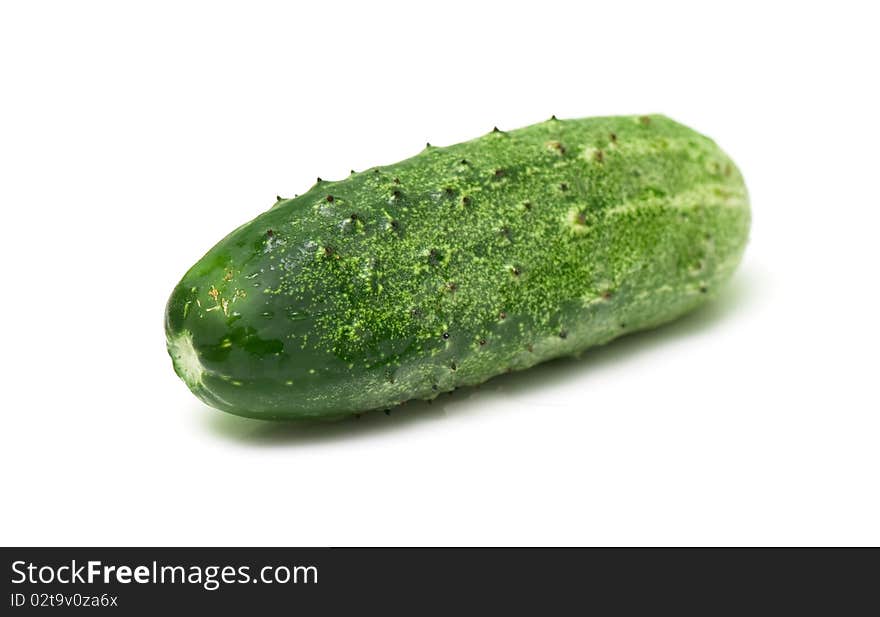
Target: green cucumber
x=458 y=264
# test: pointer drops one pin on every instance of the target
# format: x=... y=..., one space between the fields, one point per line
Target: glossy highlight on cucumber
x=458 y=264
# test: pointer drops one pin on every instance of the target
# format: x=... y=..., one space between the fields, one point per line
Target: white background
x=133 y=136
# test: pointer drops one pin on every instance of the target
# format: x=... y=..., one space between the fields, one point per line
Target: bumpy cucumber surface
x=458 y=264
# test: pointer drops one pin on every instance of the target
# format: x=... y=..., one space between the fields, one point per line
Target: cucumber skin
x=458 y=264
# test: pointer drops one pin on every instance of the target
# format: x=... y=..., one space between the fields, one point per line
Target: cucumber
x=458 y=264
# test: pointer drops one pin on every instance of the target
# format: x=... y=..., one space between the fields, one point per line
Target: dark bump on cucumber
x=557 y=147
